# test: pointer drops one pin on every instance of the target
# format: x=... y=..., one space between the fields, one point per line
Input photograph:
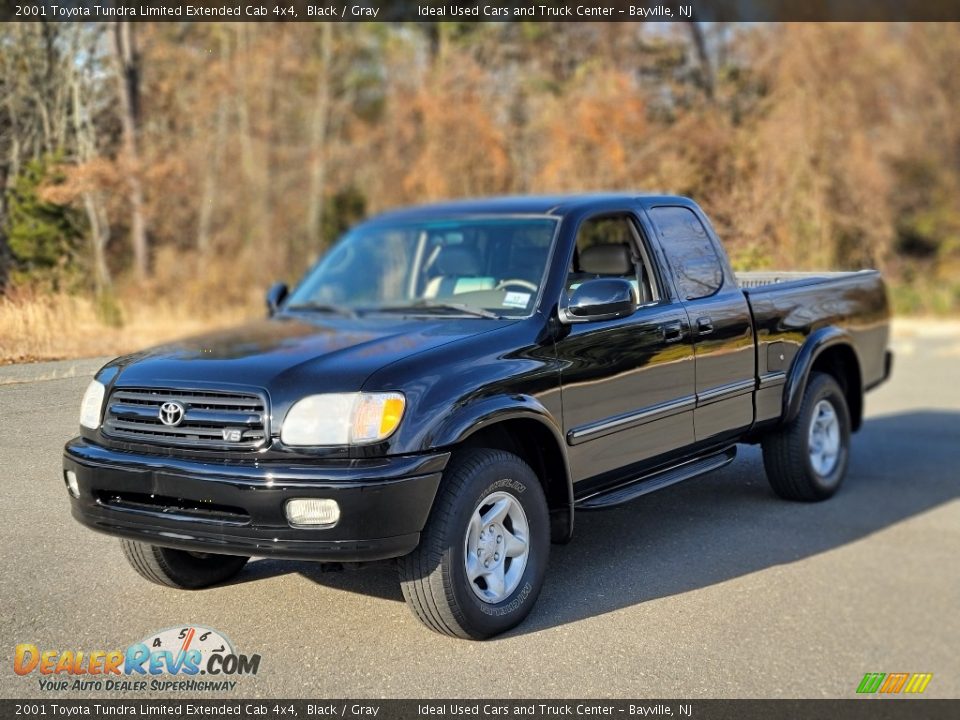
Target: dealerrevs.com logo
x=189 y=658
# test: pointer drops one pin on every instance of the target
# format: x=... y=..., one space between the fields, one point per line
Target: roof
x=519 y=205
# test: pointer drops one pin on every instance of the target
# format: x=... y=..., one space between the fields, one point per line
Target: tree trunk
x=99 y=235
x=5 y=255
x=253 y=179
x=92 y=200
x=318 y=139
x=256 y=143
x=703 y=57
x=210 y=182
x=211 y=177
x=128 y=78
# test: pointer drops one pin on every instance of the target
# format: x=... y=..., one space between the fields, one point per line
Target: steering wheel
x=516 y=282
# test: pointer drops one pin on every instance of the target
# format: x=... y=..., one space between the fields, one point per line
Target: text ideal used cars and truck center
x=451 y=384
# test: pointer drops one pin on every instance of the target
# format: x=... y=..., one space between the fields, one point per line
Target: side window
x=609 y=246
x=692 y=257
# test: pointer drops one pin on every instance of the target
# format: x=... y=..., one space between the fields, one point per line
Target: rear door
x=719 y=321
x=628 y=383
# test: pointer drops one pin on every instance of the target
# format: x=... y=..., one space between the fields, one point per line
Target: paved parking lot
x=713 y=588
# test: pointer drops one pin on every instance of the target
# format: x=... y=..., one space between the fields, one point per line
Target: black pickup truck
x=450 y=383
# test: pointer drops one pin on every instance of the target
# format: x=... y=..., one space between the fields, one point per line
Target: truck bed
x=761 y=279
x=788 y=307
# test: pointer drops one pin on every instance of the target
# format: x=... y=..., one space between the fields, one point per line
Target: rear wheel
x=483 y=554
x=807 y=459
x=180 y=568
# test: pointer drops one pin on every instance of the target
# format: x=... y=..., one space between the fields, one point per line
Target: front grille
x=211 y=419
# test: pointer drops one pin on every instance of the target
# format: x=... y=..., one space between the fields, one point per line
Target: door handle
x=671 y=331
x=704 y=326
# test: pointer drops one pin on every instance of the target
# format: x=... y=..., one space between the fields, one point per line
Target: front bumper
x=236 y=508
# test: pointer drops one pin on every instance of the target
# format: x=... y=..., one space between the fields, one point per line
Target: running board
x=657 y=480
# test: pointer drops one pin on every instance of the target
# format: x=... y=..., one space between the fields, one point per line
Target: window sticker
x=516 y=299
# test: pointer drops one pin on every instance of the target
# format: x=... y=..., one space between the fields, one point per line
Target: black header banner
x=481 y=10
x=260 y=709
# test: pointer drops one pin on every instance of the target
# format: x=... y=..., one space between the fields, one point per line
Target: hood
x=305 y=355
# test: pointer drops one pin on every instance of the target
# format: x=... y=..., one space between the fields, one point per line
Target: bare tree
x=128 y=78
x=85 y=134
x=37 y=68
x=703 y=58
x=318 y=136
x=254 y=127
x=211 y=177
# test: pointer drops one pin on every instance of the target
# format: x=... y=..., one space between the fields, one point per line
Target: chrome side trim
x=617 y=423
x=725 y=392
x=772 y=379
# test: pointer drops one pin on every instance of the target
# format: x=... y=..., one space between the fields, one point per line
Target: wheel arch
x=522 y=426
x=829 y=350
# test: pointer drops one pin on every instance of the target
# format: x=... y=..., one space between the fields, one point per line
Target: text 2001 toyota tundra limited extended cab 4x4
x=449 y=384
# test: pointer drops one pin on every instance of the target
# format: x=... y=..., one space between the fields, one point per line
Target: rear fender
x=799 y=374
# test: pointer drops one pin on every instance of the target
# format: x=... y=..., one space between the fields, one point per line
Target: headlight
x=92 y=405
x=342 y=419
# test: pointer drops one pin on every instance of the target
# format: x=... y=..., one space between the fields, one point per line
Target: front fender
x=467 y=419
x=470 y=417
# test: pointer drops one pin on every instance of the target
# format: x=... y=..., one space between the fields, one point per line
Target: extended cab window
x=692 y=257
x=610 y=246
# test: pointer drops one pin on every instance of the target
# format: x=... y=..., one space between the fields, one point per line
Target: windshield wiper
x=425 y=305
x=323 y=308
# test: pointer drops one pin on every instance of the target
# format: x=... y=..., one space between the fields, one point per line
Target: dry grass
x=36 y=326
x=58 y=326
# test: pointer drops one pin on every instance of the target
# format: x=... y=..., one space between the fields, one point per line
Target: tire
x=795 y=468
x=178 y=568
x=500 y=488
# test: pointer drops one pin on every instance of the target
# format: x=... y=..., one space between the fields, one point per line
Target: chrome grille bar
x=211 y=419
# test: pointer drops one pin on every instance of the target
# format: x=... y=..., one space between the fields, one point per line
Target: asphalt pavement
x=712 y=588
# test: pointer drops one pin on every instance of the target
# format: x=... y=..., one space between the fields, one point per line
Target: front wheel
x=483 y=554
x=180 y=568
x=807 y=458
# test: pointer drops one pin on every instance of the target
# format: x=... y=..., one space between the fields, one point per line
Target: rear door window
x=690 y=252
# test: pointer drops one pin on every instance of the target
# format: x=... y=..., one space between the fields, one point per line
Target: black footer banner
x=481 y=10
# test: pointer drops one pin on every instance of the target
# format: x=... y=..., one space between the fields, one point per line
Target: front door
x=628 y=383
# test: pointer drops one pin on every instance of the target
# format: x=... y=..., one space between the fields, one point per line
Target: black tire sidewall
x=511 y=476
x=196 y=573
x=823 y=387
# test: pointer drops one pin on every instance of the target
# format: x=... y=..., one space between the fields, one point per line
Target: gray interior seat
x=614 y=260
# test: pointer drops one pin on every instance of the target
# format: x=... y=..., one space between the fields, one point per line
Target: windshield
x=485 y=267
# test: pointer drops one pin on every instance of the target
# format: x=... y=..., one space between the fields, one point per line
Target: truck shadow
x=718 y=527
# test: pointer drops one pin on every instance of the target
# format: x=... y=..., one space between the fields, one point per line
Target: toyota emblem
x=171 y=413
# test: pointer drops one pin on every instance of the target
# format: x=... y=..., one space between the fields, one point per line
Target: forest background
x=156 y=178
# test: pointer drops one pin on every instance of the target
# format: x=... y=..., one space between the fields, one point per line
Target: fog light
x=72 y=485
x=311 y=512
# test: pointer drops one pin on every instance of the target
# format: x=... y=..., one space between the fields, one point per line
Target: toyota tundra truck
x=451 y=384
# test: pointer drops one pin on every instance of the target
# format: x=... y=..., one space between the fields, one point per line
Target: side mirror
x=275 y=296
x=600 y=299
